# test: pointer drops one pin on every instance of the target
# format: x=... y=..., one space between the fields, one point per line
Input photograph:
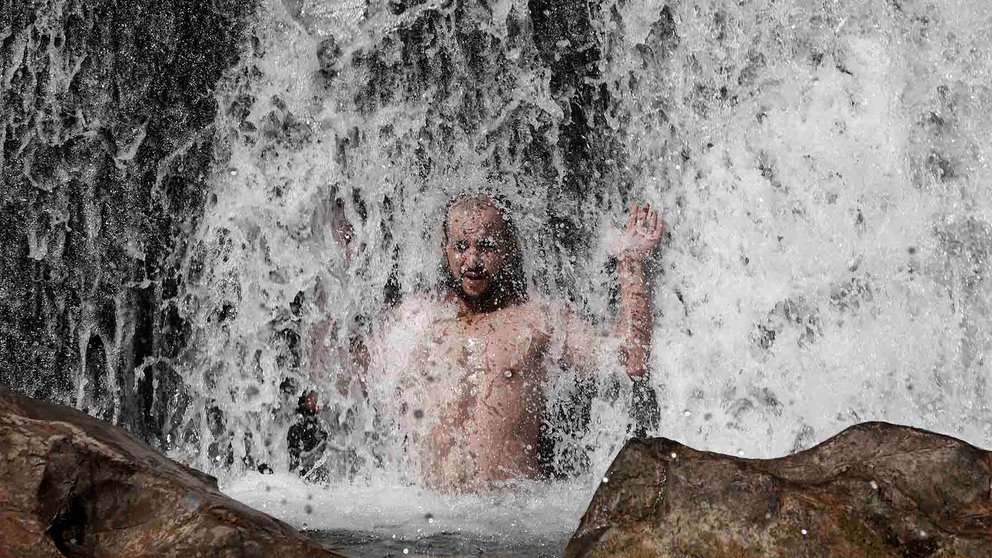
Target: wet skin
x=472 y=404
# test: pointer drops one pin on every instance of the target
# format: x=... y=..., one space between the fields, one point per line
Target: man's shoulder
x=545 y=312
x=547 y=306
x=418 y=306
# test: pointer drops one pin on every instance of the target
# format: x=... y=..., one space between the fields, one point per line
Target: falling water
x=823 y=169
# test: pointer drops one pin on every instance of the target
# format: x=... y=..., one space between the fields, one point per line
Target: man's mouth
x=474 y=276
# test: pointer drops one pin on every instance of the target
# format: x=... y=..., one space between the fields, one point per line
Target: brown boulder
x=71 y=485
x=875 y=490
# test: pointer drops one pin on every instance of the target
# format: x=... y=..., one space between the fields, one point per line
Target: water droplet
x=675 y=455
x=687 y=413
x=508 y=373
x=740 y=453
x=874 y=485
x=406 y=551
x=234 y=173
x=923 y=533
x=529 y=447
x=804 y=532
x=606 y=479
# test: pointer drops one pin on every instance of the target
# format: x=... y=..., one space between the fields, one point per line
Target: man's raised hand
x=642 y=233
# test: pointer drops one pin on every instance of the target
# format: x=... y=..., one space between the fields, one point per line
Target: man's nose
x=472 y=258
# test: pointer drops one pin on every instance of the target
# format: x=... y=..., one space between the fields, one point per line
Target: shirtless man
x=469 y=399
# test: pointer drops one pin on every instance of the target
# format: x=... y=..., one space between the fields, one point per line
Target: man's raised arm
x=641 y=236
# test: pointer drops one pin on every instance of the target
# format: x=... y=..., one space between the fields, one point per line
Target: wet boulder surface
x=72 y=485
x=874 y=490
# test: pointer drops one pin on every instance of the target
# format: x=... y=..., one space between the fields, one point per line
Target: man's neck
x=483 y=305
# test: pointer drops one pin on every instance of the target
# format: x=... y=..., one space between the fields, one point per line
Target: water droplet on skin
x=804 y=532
x=606 y=479
x=508 y=373
x=675 y=455
x=234 y=173
x=874 y=485
x=529 y=447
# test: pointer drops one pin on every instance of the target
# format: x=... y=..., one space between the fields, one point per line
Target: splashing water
x=823 y=170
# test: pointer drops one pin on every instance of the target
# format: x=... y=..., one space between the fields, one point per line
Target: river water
x=824 y=173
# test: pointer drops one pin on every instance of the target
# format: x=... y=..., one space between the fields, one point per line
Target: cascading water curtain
x=344 y=134
x=823 y=169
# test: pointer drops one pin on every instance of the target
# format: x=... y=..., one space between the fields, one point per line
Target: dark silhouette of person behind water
x=306 y=437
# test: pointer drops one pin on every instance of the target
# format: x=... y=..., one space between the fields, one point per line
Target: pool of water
x=386 y=517
x=358 y=544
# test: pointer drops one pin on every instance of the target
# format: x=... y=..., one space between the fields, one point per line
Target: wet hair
x=514 y=282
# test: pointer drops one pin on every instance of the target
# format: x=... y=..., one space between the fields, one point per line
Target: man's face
x=477 y=248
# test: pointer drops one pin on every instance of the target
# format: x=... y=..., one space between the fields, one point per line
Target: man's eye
x=487 y=245
x=461 y=246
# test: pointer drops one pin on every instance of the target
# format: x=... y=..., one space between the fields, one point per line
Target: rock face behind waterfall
x=71 y=485
x=106 y=143
x=874 y=490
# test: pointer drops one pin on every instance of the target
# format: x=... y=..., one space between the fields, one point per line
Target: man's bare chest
x=494 y=360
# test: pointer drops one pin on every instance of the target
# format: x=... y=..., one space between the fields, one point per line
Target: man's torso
x=472 y=402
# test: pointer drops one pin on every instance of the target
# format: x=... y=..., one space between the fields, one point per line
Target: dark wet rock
x=875 y=490
x=71 y=485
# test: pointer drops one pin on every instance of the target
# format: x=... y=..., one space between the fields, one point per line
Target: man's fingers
x=642 y=219
x=654 y=221
x=632 y=218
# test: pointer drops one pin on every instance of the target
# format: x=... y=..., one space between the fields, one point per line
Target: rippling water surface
x=384 y=519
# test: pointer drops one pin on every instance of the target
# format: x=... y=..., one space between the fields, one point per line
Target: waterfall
x=106 y=128
x=821 y=172
x=189 y=266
